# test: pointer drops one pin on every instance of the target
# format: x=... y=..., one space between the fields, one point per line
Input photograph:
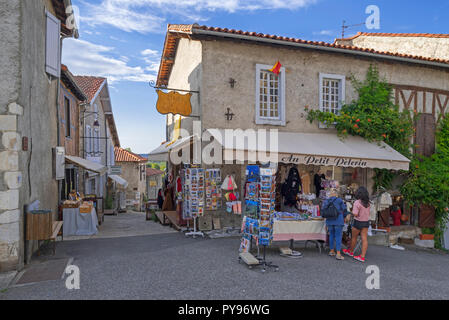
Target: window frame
x=87 y=140
x=342 y=88
x=68 y=125
x=341 y=102
x=280 y=121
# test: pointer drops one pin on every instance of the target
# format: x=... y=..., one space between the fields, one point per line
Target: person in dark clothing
x=160 y=199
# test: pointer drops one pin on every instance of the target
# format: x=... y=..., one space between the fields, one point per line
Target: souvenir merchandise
x=266 y=205
x=229 y=183
x=250 y=230
x=193 y=205
x=291 y=187
x=213 y=190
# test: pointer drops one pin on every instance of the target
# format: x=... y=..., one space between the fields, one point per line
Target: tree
x=374 y=117
x=428 y=181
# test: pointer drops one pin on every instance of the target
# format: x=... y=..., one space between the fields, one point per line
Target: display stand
x=195 y=233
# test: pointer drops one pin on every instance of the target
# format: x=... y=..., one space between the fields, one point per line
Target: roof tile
x=122 y=155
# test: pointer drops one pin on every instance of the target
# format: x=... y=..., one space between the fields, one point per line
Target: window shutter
x=52 y=46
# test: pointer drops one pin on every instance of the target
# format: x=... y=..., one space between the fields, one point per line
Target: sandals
x=339 y=257
x=332 y=253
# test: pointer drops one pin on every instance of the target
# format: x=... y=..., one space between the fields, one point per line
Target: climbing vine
x=428 y=181
x=374 y=117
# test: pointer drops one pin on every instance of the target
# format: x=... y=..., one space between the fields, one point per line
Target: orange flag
x=276 y=68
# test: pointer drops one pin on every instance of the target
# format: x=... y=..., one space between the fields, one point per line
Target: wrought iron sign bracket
x=153 y=85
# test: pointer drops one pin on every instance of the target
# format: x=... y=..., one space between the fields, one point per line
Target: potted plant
x=427 y=234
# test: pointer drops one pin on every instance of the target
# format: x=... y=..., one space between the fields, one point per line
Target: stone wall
x=27 y=110
x=431 y=47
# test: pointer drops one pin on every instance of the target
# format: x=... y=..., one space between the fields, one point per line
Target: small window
x=88 y=140
x=332 y=92
x=270 y=96
x=67 y=117
x=96 y=142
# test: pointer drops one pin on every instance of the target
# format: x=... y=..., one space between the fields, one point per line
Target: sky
x=122 y=40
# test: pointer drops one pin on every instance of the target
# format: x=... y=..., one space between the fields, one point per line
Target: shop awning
x=161 y=153
x=119 y=180
x=321 y=149
x=86 y=164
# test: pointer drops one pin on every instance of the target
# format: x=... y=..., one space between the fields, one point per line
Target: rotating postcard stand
x=258 y=222
x=193 y=205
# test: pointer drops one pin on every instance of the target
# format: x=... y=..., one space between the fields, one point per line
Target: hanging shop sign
x=324 y=161
x=174 y=102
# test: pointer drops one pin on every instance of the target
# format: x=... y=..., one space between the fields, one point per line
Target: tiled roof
x=176 y=31
x=122 y=155
x=90 y=85
x=413 y=35
x=68 y=79
x=153 y=172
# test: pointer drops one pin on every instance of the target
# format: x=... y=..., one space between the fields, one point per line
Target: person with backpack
x=334 y=210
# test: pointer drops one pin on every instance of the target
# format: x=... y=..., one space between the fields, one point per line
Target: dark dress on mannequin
x=291 y=187
x=317 y=182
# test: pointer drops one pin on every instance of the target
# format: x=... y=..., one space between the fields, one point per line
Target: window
x=88 y=140
x=52 y=46
x=112 y=156
x=332 y=92
x=67 y=117
x=96 y=142
x=270 y=96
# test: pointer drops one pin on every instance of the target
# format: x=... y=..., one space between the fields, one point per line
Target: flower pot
x=426 y=237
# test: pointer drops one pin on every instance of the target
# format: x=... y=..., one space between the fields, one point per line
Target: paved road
x=169 y=266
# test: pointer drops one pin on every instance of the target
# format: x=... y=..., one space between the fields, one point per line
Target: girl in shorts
x=360 y=211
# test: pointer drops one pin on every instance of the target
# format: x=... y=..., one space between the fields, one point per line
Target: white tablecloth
x=79 y=224
x=299 y=230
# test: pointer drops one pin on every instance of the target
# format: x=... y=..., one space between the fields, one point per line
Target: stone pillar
x=10 y=184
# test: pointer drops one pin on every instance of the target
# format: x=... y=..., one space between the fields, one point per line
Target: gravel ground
x=171 y=266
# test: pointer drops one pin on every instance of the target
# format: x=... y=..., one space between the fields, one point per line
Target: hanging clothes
x=305 y=180
x=317 y=182
x=291 y=187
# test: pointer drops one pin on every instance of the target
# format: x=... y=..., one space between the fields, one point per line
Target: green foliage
x=157 y=165
x=374 y=117
x=109 y=203
x=428 y=181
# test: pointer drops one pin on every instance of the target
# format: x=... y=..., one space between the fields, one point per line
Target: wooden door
x=425 y=134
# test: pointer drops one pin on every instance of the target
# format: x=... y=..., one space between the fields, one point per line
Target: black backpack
x=330 y=212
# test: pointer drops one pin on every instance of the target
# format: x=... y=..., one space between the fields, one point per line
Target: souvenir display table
x=80 y=219
x=299 y=230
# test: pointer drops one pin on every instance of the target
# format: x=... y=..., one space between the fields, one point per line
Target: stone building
x=226 y=72
x=98 y=135
x=154 y=182
x=32 y=33
x=133 y=169
x=419 y=44
x=71 y=99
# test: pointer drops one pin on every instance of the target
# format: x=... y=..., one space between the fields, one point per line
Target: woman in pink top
x=360 y=211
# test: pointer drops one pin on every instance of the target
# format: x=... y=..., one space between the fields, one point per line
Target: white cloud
x=324 y=33
x=86 y=58
x=150 y=15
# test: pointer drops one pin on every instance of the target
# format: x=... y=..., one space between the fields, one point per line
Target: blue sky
x=122 y=40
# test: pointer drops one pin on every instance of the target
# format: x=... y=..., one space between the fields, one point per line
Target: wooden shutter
x=425 y=134
x=426 y=217
x=52 y=46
